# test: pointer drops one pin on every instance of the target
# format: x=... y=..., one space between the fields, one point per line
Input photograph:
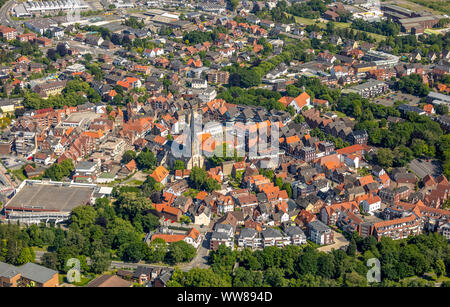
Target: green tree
x=83 y=216
x=179 y=165
x=180 y=252
x=384 y=157
x=100 y=262
x=26 y=255
x=146 y=159
x=49 y=260
x=129 y=204
x=128 y=156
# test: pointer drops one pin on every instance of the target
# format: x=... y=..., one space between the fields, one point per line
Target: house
x=301 y=101
x=193 y=237
x=371 y=204
x=358 y=137
x=160 y=174
x=93 y=40
x=331 y=15
x=27 y=275
x=222 y=234
x=326 y=57
x=320 y=233
x=42 y=158
x=248 y=237
x=143 y=274
x=429 y=109
x=296 y=235
x=199 y=83
x=151 y=53
x=273 y=237
x=8 y=33
x=202 y=214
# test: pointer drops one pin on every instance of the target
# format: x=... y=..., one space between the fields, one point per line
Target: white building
x=372 y=204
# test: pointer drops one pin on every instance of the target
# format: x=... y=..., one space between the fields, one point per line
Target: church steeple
x=195 y=128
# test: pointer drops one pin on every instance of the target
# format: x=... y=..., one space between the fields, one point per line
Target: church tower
x=196 y=158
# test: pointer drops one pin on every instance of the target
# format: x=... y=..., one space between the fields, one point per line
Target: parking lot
x=422 y=167
x=12 y=163
x=389 y=99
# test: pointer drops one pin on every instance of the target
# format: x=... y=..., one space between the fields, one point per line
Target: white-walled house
x=372 y=204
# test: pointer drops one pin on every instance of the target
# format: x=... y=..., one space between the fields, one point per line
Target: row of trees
x=107 y=231
x=383 y=27
x=412 y=84
x=310 y=9
x=255 y=97
x=251 y=76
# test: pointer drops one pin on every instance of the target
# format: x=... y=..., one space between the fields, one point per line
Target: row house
x=8 y=33
x=391 y=195
x=330 y=215
x=251 y=238
x=222 y=234
x=396 y=229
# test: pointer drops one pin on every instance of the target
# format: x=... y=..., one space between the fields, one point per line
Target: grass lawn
x=84 y=279
x=434 y=6
x=135 y=182
x=432 y=31
x=18 y=173
x=340 y=114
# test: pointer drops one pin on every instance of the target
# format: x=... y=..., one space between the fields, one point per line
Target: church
x=189 y=150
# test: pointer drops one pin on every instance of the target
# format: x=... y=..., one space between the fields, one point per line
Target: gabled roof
x=160 y=173
x=301 y=100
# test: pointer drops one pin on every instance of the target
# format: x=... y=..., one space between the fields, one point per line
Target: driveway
x=201 y=259
x=339 y=242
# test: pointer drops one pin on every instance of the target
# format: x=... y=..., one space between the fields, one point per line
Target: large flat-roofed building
x=438 y=98
x=381 y=58
x=396 y=12
x=36 y=201
x=418 y=23
x=45 y=7
x=27 y=275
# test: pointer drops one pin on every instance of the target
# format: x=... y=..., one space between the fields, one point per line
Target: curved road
x=6 y=18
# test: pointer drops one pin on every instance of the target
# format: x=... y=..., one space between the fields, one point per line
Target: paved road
x=6 y=19
x=200 y=260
